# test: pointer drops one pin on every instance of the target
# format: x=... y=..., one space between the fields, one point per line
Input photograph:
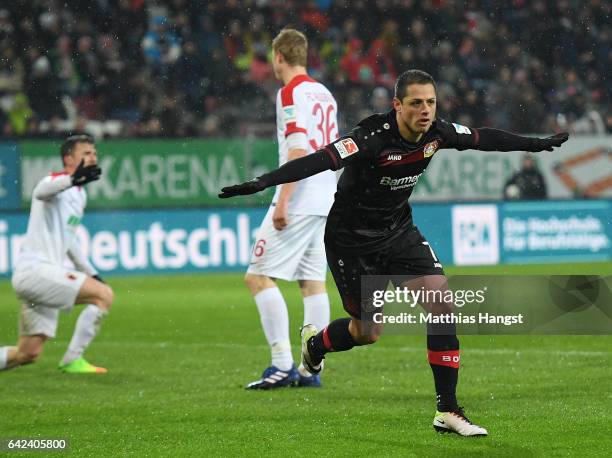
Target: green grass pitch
x=181 y=348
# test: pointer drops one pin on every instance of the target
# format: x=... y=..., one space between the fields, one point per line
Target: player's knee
x=108 y=297
x=104 y=298
x=368 y=339
x=251 y=283
x=257 y=283
x=311 y=287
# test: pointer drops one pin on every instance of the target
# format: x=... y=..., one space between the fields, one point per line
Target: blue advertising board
x=556 y=231
x=216 y=240
x=10 y=192
x=122 y=242
x=532 y=232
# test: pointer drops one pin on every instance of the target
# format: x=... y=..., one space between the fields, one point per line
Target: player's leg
x=36 y=285
x=37 y=324
x=344 y=333
x=316 y=315
x=7 y=357
x=443 y=355
x=316 y=303
x=276 y=254
x=424 y=272
x=27 y=351
x=274 y=318
x=312 y=274
x=98 y=298
x=340 y=335
x=442 y=342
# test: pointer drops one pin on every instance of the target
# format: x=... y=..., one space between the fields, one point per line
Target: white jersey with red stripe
x=305 y=105
x=56 y=212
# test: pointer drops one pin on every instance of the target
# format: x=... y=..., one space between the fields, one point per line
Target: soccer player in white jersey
x=289 y=244
x=42 y=283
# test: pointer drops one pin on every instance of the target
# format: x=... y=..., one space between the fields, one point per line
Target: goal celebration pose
x=370 y=230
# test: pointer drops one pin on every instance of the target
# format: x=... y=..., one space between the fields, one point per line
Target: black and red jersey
x=371 y=205
x=381 y=168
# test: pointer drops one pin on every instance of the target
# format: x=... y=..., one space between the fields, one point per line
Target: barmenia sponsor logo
x=400 y=183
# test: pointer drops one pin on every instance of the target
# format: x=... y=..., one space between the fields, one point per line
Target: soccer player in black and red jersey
x=370 y=230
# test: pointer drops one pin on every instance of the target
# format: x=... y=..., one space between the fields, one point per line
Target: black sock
x=335 y=337
x=443 y=354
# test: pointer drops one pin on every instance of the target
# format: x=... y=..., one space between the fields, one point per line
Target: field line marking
x=407 y=349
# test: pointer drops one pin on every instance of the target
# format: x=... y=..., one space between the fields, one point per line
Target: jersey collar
x=300 y=79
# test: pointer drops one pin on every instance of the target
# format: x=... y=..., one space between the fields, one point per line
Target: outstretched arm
x=358 y=146
x=295 y=170
x=489 y=139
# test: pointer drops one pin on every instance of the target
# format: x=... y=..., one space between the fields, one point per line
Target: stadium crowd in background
x=175 y=68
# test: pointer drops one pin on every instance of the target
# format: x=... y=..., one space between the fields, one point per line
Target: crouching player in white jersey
x=289 y=244
x=42 y=283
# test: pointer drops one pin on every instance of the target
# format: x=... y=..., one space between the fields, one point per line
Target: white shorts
x=38 y=319
x=295 y=253
x=43 y=290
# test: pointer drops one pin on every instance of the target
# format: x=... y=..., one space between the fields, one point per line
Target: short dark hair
x=411 y=77
x=71 y=142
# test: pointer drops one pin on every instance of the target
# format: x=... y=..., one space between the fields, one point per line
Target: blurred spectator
x=41 y=85
x=175 y=67
x=207 y=38
x=7 y=29
x=160 y=46
x=260 y=70
x=381 y=100
x=358 y=67
x=526 y=184
x=11 y=71
x=88 y=65
x=65 y=66
x=19 y=114
x=191 y=70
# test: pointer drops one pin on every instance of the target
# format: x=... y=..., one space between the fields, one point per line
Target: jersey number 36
x=324 y=132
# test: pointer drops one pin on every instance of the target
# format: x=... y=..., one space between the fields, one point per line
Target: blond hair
x=292 y=45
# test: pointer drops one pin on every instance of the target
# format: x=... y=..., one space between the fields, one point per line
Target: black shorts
x=409 y=256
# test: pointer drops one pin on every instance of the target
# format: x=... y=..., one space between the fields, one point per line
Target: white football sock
x=3 y=357
x=275 y=321
x=86 y=328
x=316 y=310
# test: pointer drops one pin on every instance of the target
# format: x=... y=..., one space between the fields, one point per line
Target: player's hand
x=280 y=218
x=97 y=277
x=549 y=143
x=85 y=174
x=243 y=189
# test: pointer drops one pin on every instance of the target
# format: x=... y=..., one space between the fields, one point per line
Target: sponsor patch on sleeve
x=346 y=147
x=289 y=114
x=461 y=129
